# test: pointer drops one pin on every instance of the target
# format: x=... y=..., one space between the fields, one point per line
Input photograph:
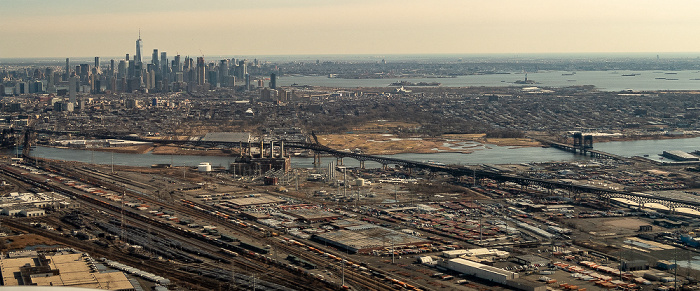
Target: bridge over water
x=477 y=172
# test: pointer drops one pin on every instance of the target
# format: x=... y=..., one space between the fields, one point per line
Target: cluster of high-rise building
x=129 y=74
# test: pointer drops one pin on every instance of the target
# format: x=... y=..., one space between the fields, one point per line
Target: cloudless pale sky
x=84 y=28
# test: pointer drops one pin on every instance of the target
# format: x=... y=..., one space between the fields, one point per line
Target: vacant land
x=389 y=144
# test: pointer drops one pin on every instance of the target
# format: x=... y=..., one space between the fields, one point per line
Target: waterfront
x=602 y=80
x=490 y=154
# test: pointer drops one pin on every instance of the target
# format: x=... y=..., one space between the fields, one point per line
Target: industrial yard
x=340 y=226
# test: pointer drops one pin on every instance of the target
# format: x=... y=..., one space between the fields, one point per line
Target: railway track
x=162 y=268
x=114 y=212
x=354 y=278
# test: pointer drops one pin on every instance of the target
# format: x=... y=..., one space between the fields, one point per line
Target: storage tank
x=204 y=167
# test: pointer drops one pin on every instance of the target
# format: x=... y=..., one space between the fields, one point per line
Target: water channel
x=484 y=154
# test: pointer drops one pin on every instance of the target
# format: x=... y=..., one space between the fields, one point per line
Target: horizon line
x=379 y=55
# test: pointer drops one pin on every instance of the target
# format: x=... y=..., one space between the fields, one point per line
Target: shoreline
x=466 y=144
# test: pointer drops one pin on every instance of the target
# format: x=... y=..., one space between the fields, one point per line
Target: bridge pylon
x=317 y=159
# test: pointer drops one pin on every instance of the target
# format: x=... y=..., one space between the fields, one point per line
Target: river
x=603 y=80
x=488 y=154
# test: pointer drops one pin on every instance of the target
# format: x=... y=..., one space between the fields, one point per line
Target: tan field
x=22 y=241
x=388 y=144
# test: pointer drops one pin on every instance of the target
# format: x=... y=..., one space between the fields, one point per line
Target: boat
x=629 y=75
x=569 y=74
x=660 y=78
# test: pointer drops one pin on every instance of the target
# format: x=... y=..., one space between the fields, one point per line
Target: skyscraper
x=223 y=72
x=273 y=81
x=67 y=73
x=177 y=65
x=164 y=68
x=154 y=58
x=242 y=68
x=72 y=89
x=163 y=61
x=201 y=71
x=139 y=44
x=97 y=62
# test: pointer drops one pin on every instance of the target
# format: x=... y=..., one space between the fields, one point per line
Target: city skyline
x=81 y=28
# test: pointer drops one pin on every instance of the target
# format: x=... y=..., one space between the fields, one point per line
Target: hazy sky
x=84 y=28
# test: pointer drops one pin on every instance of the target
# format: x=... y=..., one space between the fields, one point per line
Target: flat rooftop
x=253 y=201
x=73 y=271
x=368 y=237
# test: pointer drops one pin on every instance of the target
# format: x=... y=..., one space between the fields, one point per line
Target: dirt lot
x=623 y=225
x=389 y=144
x=18 y=242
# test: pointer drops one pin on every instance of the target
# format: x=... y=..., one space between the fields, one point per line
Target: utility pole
x=122 y=213
x=675 y=270
x=396 y=194
x=393 y=261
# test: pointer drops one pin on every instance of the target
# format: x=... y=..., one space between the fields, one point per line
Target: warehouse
x=60 y=269
x=367 y=238
x=260 y=200
x=479 y=270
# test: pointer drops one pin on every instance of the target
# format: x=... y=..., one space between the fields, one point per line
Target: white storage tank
x=204 y=167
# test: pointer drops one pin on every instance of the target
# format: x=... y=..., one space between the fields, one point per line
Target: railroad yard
x=375 y=229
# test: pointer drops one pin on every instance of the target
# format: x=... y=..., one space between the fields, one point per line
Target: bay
x=602 y=80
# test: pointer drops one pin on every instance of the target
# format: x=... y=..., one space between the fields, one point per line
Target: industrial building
x=248 y=166
x=492 y=274
x=480 y=253
x=59 y=269
x=258 y=200
x=31 y=204
x=481 y=271
x=367 y=238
